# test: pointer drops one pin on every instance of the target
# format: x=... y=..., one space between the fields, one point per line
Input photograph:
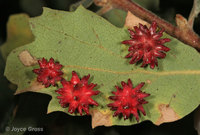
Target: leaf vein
x=86 y=43
x=163 y=73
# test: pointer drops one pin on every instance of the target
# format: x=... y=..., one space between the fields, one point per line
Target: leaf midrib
x=162 y=73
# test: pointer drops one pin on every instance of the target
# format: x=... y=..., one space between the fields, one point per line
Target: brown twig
x=182 y=32
x=194 y=13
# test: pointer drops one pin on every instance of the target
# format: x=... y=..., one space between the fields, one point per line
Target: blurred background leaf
x=18 y=33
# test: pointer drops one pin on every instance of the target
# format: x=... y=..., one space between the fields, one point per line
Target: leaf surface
x=88 y=44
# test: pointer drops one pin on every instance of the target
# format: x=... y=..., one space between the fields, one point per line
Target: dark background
x=31 y=107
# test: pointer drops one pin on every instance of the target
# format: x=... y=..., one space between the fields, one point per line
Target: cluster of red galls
x=145 y=44
x=77 y=93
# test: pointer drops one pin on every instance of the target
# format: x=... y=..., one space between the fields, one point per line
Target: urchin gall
x=146 y=45
x=128 y=100
x=77 y=94
x=49 y=72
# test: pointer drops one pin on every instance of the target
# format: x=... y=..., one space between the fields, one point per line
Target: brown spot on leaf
x=167 y=114
x=34 y=87
x=27 y=59
x=148 y=81
x=172 y=55
x=59 y=42
x=132 y=20
x=101 y=118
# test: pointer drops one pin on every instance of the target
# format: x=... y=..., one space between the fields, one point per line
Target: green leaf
x=116 y=17
x=18 y=33
x=88 y=44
